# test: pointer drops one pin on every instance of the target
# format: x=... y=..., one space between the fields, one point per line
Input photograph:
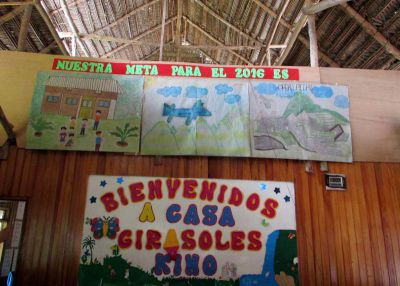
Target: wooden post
x=178 y=30
x=312 y=33
x=164 y=12
x=23 y=32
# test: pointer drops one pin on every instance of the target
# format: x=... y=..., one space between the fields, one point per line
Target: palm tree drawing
x=88 y=243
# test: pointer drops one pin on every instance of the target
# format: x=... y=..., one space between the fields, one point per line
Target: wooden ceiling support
x=269 y=44
x=178 y=36
x=72 y=26
x=136 y=38
x=47 y=49
x=371 y=30
x=16 y=3
x=51 y=28
x=312 y=34
x=23 y=31
x=164 y=15
x=311 y=9
x=11 y=15
x=233 y=27
x=212 y=38
x=292 y=39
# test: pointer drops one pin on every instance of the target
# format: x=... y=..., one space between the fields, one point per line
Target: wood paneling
x=345 y=238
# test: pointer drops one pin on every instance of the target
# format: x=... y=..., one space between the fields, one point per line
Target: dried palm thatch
x=358 y=34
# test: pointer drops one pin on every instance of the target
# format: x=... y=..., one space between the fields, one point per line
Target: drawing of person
x=97 y=118
x=98 y=140
x=72 y=123
x=84 y=125
x=70 y=141
x=63 y=134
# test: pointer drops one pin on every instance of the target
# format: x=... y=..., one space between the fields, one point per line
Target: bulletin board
x=188 y=231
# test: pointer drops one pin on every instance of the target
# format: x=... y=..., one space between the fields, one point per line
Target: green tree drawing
x=88 y=243
x=125 y=133
x=40 y=125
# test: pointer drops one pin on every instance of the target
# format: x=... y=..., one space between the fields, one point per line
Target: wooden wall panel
x=345 y=238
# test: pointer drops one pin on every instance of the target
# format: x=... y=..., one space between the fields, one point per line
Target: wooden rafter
x=271 y=38
x=226 y=22
x=23 y=31
x=16 y=3
x=178 y=37
x=321 y=6
x=293 y=35
x=208 y=35
x=136 y=38
x=11 y=15
x=51 y=28
x=72 y=26
x=47 y=49
x=372 y=31
x=157 y=44
x=164 y=15
x=292 y=39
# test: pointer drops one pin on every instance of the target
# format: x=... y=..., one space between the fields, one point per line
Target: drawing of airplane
x=191 y=114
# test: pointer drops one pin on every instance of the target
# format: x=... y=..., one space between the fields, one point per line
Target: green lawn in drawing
x=113 y=101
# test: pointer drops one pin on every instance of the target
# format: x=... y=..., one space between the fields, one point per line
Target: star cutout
x=93 y=199
x=103 y=183
x=287 y=199
x=120 y=180
x=263 y=186
x=277 y=190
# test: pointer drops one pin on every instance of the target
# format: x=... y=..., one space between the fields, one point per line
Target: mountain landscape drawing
x=300 y=125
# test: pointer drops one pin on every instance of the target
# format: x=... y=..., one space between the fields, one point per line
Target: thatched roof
x=358 y=34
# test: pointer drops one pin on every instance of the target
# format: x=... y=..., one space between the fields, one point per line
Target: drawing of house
x=80 y=97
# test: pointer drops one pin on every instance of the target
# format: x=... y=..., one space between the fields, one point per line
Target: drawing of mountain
x=160 y=137
x=228 y=137
x=302 y=103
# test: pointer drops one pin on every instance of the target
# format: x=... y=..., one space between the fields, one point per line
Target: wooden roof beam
x=164 y=15
x=11 y=15
x=271 y=38
x=311 y=9
x=72 y=26
x=178 y=39
x=233 y=27
x=23 y=31
x=126 y=16
x=371 y=30
x=50 y=26
x=47 y=49
x=292 y=39
x=15 y=3
x=158 y=44
x=208 y=35
x=136 y=38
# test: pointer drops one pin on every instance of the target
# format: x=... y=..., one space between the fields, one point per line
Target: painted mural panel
x=85 y=112
x=300 y=121
x=188 y=116
x=176 y=231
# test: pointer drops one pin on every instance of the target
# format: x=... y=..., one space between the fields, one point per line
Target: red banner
x=178 y=70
